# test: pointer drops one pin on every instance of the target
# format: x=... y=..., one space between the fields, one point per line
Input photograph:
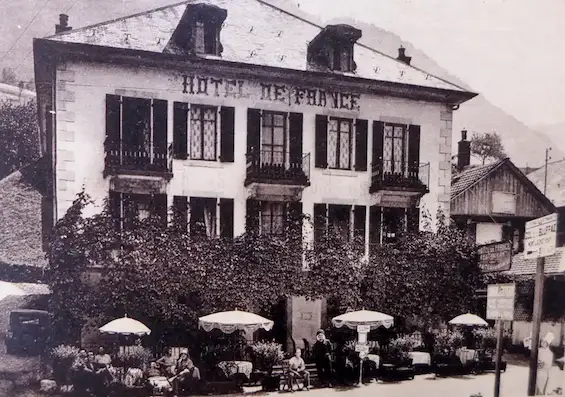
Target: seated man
x=187 y=375
x=297 y=370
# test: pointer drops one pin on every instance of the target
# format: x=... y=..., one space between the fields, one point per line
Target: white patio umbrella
x=125 y=326
x=363 y=317
x=468 y=319
x=231 y=321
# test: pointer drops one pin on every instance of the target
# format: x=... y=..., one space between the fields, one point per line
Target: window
x=394 y=223
x=131 y=207
x=199 y=38
x=272 y=217
x=273 y=138
x=340 y=143
x=339 y=221
x=394 y=151
x=203 y=216
x=342 y=58
x=206 y=38
x=203 y=132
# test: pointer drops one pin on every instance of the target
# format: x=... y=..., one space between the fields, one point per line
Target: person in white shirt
x=297 y=370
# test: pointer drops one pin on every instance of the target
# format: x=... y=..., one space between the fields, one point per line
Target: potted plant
x=397 y=362
x=63 y=358
x=134 y=357
x=266 y=355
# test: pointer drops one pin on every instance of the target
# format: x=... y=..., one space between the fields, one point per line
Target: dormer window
x=198 y=32
x=332 y=49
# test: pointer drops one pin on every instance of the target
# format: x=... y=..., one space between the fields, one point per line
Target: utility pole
x=538 y=307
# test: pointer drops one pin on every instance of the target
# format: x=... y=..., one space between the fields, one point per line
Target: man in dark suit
x=322 y=352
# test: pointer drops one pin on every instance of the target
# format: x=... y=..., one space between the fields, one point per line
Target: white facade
x=80 y=134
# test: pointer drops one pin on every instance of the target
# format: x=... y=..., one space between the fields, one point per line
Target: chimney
x=463 y=152
x=63 y=24
x=402 y=56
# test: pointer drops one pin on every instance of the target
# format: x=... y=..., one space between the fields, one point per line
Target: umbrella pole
x=360 y=371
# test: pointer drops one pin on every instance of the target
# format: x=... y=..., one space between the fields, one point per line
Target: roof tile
x=255 y=32
x=467 y=178
x=554 y=264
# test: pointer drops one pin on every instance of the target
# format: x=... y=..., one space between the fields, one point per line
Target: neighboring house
x=15 y=94
x=243 y=112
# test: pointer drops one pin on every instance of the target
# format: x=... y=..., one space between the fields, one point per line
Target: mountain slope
x=555 y=132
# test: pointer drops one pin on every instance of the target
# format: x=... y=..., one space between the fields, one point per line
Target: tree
x=487 y=146
x=19 y=141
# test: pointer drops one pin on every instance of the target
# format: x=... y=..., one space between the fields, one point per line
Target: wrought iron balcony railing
x=277 y=168
x=139 y=161
x=395 y=176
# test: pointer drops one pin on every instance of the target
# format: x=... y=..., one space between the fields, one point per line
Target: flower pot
x=271 y=382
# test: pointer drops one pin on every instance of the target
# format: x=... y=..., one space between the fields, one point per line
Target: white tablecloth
x=466 y=355
x=374 y=358
x=421 y=358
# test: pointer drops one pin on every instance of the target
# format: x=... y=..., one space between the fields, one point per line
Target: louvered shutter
x=413 y=151
x=226 y=218
x=321 y=160
x=252 y=216
x=227 y=138
x=180 y=130
x=296 y=121
x=361 y=131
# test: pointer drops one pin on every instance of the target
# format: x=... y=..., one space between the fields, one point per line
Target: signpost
x=362 y=348
x=539 y=242
x=495 y=257
x=500 y=307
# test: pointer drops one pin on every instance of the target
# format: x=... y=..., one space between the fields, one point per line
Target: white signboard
x=362 y=348
x=540 y=237
x=503 y=203
x=500 y=301
x=363 y=329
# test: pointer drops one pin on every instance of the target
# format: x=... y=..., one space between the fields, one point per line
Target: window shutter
x=295 y=217
x=253 y=130
x=113 y=117
x=227 y=140
x=180 y=137
x=296 y=121
x=321 y=160
x=252 y=216
x=413 y=150
x=320 y=218
x=361 y=130
x=359 y=217
x=114 y=202
x=226 y=217
x=160 y=207
x=180 y=212
x=378 y=144
x=374 y=225
x=413 y=219
x=160 y=128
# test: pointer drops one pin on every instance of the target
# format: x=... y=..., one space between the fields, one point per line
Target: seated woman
x=187 y=376
x=156 y=380
x=167 y=363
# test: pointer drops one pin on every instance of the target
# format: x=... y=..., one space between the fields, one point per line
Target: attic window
x=206 y=38
x=332 y=48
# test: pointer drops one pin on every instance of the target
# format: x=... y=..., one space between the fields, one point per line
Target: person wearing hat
x=322 y=352
x=187 y=375
x=545 y=362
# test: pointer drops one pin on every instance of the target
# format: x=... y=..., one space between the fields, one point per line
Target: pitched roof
x=468 y=178
x=255 y=32
x=555 y=181
x=554 y=264
x=20 y=220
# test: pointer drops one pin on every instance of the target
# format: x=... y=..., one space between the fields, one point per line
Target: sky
x=511 y=51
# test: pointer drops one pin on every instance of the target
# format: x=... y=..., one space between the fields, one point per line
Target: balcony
x=156 y=162
x=409 y=184
x=274 y=174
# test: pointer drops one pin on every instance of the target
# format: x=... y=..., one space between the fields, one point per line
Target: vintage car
x=27 y=332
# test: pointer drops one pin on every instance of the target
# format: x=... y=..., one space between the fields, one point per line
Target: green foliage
x=267 y=354
x=64 y=355
x=448 y=340
x=487 y=146
x=398 y=349
x=19 y=141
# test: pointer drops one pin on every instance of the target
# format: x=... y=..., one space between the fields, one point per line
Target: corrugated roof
x=255 y=32
x=464 y=180
x=554 y=264
x=555 y=181
x=20 y=222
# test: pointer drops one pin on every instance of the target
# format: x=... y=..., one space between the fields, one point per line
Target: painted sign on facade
x=282 y=93
x=500 y=301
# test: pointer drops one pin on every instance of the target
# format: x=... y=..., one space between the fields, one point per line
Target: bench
x=282 y=371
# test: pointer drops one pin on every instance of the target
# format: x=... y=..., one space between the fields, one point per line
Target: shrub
x=267 y=355
x=448 y=341
x=398 y=350
x=134 y=357
x=63 y=358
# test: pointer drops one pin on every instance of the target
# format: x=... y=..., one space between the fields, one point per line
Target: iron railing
x=387 y=174
x=139 y=160
x=277 y=167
